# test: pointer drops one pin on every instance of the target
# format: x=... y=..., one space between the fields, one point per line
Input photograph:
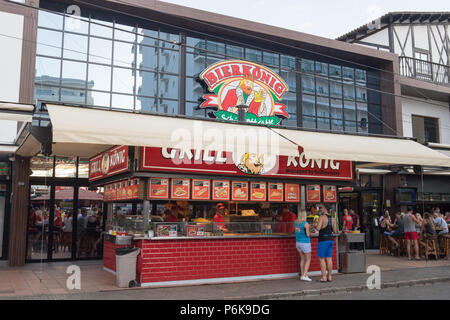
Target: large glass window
x=425 y=129
x=49 y=43
x=114 y=56
x=111 y=61
x=337 y=93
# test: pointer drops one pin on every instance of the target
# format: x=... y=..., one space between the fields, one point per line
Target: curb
x=318 y=292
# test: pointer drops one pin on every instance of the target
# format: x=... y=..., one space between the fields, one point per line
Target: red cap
x=220 y=205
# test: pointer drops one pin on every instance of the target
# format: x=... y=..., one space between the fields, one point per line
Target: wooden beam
x=19 y=211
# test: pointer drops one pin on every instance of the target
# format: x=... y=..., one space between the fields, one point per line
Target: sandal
x=322 y=281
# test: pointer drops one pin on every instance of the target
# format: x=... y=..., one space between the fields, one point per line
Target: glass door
x=89 y=224
x=38 y=223
x=347 y=200
x=62 y=223
x=371 y=211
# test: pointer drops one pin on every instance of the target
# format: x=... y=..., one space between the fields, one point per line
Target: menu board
x=239 y=191
x=275 y=191
x=158 y=188
x=258 y=191
x=292 y=192
x=180 y=189
x=313 y=193
x=166 y=230
x=135 y=188
x=201 y=189
x=329 y=194
x=123 y=190
x=108 y=192
x=221 y=190
x=130 y=189
x=117 y=193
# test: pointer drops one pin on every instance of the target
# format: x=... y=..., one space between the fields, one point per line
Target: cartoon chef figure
x=251 y=163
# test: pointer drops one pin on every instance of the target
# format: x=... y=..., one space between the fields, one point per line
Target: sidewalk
x=30 y=282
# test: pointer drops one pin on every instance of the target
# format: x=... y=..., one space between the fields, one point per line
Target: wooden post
x=19 y=211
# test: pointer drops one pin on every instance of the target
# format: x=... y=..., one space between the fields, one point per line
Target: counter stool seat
x=431 y=247
x=384 y=244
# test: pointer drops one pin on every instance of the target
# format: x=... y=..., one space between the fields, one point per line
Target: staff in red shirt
x=347 y=223
x=288 y=218
x=173 y=216
x=219 y=217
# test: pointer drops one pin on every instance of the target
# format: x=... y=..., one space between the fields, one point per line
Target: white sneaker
x=306 y=278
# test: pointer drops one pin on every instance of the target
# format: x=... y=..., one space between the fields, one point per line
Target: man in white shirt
x=439 y=222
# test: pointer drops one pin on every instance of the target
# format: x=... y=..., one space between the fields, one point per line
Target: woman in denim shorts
x=303 y=244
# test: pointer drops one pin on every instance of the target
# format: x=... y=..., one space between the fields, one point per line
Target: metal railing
x=424 y=70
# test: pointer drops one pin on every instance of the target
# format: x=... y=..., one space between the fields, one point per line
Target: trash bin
x=352 y=253
x=126 y=266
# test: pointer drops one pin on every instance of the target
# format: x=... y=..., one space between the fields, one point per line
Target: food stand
x=196 y=249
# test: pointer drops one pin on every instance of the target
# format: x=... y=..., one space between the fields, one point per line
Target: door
x=61 y=224
x=38 y=222
x=347 y=200
x=370 y=214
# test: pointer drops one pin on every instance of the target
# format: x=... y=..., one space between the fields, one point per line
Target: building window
x=425 y=129
x=106 y=61
x=115 y=62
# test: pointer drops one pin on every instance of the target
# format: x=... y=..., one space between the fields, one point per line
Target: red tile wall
x=109 y=254
x=185 y=259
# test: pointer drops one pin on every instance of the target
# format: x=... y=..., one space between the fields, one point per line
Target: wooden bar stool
x=431 y=247
x=445 y=239
x=384 y=244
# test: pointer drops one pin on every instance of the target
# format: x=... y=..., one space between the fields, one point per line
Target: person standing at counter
x=303 y=244
x=355 y=217
x=219 y=217
x=326 y=227
x=288 y=218
x=347 y=222
x=173 y=216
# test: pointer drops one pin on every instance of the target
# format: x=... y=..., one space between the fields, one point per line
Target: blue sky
x=326 y=18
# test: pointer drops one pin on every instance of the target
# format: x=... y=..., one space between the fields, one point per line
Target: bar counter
x=166 y=261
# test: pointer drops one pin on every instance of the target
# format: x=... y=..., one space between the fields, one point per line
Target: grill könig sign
x=108 y=163
x=247 y=164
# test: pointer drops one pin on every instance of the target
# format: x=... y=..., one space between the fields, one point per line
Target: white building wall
x=10 y=56
x=381 y=37
x=11 y=25
x=414 y=107
x=403 y=39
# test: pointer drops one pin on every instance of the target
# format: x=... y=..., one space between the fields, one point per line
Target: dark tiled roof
x=397 y=17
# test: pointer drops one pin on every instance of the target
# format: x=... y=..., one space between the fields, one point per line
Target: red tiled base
x=196 y=259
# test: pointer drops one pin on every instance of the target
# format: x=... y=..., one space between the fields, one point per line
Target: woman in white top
x=68 y=223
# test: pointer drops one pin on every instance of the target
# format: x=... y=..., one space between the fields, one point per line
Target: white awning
x=373 y=171
x=16 y=111
x=382 y=150
x=94 y=126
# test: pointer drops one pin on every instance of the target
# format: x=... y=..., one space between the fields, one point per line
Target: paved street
x=48 y=281
x=436 y=291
